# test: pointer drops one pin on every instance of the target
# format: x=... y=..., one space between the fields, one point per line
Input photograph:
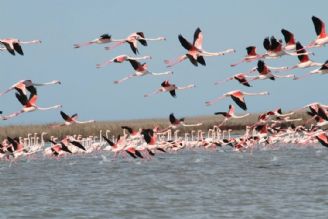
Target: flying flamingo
x=69 y=120
x=322 y=70
x=275 y=49
x=322 y=138
x=241 y=78
x=167 y=87
x=238 y=97
x=29 y=104
x=265 y=72
x=133 y=39
x=24 y=85
x=105 y=38
x=305 y=61
x=320 y=29
x=177 y=122
x=140 y=70
x=13 y=45
x=120 y=59
x=195 y=51
x=251 y=56
x=289 y=39
x=230 y=114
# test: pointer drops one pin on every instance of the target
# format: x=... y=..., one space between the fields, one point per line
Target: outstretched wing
x=198 y=38
x=184 y=42
x=18 y=48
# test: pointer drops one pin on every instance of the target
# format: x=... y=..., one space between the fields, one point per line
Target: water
x=288 y=182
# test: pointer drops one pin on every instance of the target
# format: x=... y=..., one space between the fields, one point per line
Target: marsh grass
x=93 y=129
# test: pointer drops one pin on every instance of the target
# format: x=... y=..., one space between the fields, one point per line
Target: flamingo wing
x=18 y=48
x=289 y=37
x=225 y=114
x=142 y=41
x=130 y=130
x=198 y=38
x=135 y=64
x=9 y=49
x=267 y=44
x=78 y=144
x=185 y=43
x=300 y=50
x=106 y=36
x=322 y=138
x=65 y=116
x=22 y=98
x=239 y=100
x=172 y=119
x=201 y=60
x=319 y=26
x=192 y=59
x=251 y=50
x=133 y=48
x=173 y=94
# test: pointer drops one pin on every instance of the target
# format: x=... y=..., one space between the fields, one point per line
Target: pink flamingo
x=241 y=78
x=24 y=85
x=238 y=97
x=105 y=38
x=133 y=39
x=265 y=72
x=167 y=87
x=320 y=29
x=251 y=56
x=13 y=45
x=69 y=120
x=322 y=70
x=195 y=51
x=140 y=70
x=289 y=39
x=230 y=114
x=120 y=59
x=29 y=104
x=178 y=122
x=305 y=61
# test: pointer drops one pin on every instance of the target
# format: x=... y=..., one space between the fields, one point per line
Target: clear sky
x=91 y=92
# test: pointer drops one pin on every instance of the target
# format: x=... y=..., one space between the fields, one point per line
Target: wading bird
x=120 y=59
x=69 y=120
x=29 y=104
x=133 y=40
x=24 y=85
x=13 y=45
x=289 y=39
x=320 y=71
x=195 y=52
x=140 y=70
x=251 y=56
x=320 y=30
x=105 y=38
x=180 y=122
x=230 y=114
x=304 y=59
x=167 y=87
x=238 y=97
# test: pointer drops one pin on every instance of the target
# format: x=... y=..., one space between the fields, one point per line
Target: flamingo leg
x=126 y=78
x=210 y=102
x=115 y=45
x=174 y=62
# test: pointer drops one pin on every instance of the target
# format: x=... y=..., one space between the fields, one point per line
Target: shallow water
x=284 y=182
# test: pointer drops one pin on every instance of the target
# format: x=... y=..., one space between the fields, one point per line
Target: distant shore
x=93 y=129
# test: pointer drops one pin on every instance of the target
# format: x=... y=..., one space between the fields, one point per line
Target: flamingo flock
x=271 y=128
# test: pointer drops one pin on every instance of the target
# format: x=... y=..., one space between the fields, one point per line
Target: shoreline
x=93 y=129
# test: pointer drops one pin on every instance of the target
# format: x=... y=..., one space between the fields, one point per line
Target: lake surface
x=282 y=182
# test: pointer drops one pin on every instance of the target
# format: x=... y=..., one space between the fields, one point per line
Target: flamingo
x=69 y=120
x=29 y=104
x=13 y=45
x=289 y=39
x=240 y=77
x=275 y=49
x=305 y=61
x=167 y=87
x=322 y=138
x=322 y=70
x=177 y=122
x=320 y=29
x=265 y=72
x=195 y=51
x=230 y=114
x=24 y=85
x=140 y=70
x=132 y=40
x=251 y=56
x=238 y=97
x=120 y=59
x=104 y=38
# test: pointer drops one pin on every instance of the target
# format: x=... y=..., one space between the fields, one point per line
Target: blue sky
x=91 y=92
